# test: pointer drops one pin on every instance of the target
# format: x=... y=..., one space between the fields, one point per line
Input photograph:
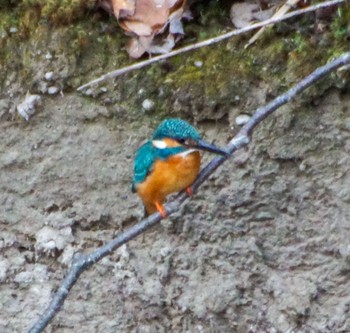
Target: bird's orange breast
x=168 y=176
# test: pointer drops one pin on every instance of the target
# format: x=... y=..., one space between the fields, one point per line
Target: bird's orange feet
x=160 y=209
x=189 y=191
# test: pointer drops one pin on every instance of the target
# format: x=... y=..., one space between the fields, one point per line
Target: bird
x=168 y=162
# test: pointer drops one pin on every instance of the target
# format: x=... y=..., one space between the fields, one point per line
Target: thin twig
x=82 y=262
x=282 y=11
x=207 y=42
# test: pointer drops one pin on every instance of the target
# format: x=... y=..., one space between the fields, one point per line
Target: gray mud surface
x=263 y=247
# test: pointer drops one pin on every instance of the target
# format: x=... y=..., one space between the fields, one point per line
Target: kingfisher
x=169 y=162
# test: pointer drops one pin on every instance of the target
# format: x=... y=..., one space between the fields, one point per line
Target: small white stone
x=67 y=255
x=198 y=63
x=28 y=107
x=13 y=30
x=53 y=90
x=124 y=253
x=4 y=266
x=302 y=166
x=148 y=104
x=242 y=119
x=24 y=277
x=49 y=76
x=48 y=56
x=48 y=239
x=103 y=89
x=165 y=251
x=89 y=92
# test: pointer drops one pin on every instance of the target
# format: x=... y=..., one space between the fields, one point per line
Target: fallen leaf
x=263 y=15
x=138 y=46
x=145 y=19
x=137 y=27
x=242 y=14
x=123 y=8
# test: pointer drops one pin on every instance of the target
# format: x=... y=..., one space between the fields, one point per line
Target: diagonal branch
x=82 y=262
x=141 y=64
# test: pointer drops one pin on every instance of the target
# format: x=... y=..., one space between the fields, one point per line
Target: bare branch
x=82 y=262
x=207 y=42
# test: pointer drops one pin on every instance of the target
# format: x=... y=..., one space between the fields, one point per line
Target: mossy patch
x=85 y=43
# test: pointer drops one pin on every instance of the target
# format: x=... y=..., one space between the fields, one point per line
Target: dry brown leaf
x=138 y=46
x=137 y=27
x=123 y=8
x=147 y=18
x=165 y=47
x=242 y=14
x=264 y=15
x=175 y=25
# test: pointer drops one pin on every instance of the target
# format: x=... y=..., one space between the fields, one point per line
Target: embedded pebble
x=148 y=104
x=4 y=266
x=53 y=90
x=198 y=63
x=67 y=255
x=23 y=277
x=49 y=76
x=302 y=166
x=89 y=92
x=13 y=30
x=28 y=107
x=242 y=119
x=38 y=273
x=165 y=251
x=48 y=239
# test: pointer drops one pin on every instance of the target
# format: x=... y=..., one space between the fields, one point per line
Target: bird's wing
x=143 y=163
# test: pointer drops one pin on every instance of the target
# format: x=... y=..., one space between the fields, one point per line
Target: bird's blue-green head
x=184 y=134
x=176 y=129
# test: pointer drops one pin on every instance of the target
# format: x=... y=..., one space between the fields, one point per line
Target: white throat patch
x=160 y=144
x=186 y=152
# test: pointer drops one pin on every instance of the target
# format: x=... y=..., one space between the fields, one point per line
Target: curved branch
x=82 y=262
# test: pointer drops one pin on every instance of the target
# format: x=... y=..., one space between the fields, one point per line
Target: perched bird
x=169 y=162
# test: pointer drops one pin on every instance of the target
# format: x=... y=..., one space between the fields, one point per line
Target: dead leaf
x=165 y=47
x=123 y=8
x=138 y=46
x=145 y=19
x=263 y=15
x=137 y=27
x=242 y=14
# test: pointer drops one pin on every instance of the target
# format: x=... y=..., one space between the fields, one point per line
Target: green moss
x=341 y=24
x=59 y=11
